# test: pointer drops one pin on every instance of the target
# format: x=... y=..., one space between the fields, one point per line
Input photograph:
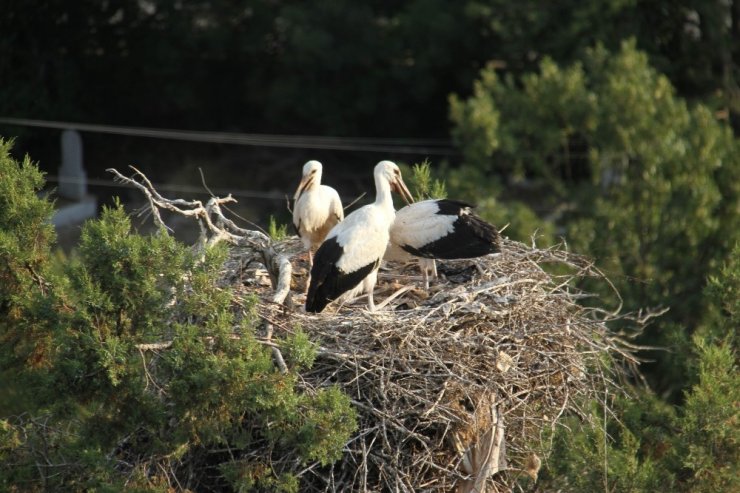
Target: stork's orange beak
x=400 y=188
x=303 y=185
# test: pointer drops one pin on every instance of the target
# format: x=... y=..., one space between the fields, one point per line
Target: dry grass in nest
x=455 y=389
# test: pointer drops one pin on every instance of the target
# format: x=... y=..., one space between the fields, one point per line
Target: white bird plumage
x=350 y=256
x=317 y=208
x=439 y=229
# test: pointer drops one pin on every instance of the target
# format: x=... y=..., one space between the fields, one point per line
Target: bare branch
x=276 y=351
x=214 y=227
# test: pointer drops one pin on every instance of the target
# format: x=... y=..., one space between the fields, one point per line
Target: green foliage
x=723 y=293
x=648 y=445
x=533 y=130
x=299 y=351
x=642 y=179
x=710 y=422
x=627 y=456
x=275 y=231
x=246 y=477
x=128 y=278
x=109 y=412
x=476 y=120
x=424 y=185
x=26 y=235
x=660 y=203
x=9 y=438
x=710 y=417
x=325 y=428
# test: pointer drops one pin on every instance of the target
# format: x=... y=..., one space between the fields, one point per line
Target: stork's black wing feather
x=329 y=282
x=470 y=237
x=450 y=207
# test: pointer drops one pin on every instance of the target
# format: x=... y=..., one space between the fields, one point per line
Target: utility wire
x=388 y=145
x=441 y=147
x=250 y=194
x=221 y=192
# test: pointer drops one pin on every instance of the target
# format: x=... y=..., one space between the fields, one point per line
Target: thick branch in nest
x=486 y=457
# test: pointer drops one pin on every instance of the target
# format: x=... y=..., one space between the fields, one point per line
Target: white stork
x=440 y=229
x=316 y=210
x=350 y=256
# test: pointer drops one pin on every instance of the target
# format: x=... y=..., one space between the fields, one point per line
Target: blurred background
x=352 y=70
x=608 y=124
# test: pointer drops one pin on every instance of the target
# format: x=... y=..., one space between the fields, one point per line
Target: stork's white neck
x=383 y=196
x=316 y=181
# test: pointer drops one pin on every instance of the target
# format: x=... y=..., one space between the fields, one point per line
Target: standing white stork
x=351 y=254
x=440 y=229
x=316 y=210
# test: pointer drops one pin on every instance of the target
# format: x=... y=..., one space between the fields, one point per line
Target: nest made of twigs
x=453 y=387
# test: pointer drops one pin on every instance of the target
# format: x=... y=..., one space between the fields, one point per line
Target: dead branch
x=214 y=227
x=279 y=361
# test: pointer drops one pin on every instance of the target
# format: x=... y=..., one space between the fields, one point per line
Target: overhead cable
x=366 y=144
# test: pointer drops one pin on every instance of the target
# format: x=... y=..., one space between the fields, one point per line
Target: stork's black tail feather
x=487 y=234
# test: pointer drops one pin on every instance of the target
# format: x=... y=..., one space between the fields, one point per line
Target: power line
x=251 y=194
x=221 y=192
x=388 y=145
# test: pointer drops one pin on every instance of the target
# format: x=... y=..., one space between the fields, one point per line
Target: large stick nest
x=458 y=385
x=455 y=388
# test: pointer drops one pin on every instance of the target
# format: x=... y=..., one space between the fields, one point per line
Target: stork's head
x=388 y=170
x=311 y=177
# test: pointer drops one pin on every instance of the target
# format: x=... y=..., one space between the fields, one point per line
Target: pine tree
x=146 y=372
x=646 y=184
x=649 y=188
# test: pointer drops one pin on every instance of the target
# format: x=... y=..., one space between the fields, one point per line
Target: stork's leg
x=428 y=267
x=370 y=301
x=310 y=266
